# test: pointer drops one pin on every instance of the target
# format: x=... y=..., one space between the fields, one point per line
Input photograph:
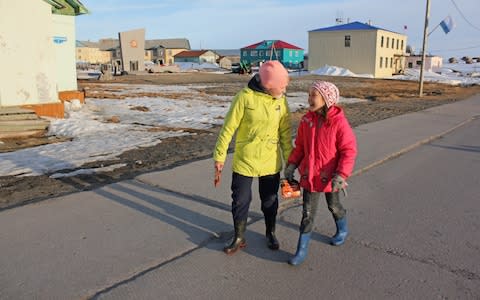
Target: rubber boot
x=272 y=241
x=342 y=232
x=302 y=249
x=238 y=240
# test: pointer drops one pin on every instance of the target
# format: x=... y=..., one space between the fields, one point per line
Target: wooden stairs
x=16 y=122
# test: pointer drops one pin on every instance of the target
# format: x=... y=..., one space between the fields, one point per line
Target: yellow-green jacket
x=263 y=131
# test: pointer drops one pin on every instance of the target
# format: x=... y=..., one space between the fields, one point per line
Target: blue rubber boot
x=302 y=249
x=342 y=232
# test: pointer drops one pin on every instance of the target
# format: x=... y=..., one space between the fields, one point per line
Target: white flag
x=447 y=24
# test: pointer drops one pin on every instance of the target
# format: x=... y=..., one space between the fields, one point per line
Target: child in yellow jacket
x=260 y=116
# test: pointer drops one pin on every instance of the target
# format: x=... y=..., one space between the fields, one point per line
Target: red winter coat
x=323 y=149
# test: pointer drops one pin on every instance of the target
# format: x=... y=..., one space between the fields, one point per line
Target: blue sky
x=228 y=24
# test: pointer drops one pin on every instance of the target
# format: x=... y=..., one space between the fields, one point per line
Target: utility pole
x=425 y=36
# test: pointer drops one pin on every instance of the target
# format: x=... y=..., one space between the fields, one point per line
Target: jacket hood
x=256 y=85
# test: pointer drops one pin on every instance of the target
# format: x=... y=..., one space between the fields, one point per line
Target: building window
x=381 y=42
x=253 y=53
x=419 y=62
x=260 y=53
x=296 y=53
x=244 y=53
x=397 y=44
x=347 y=41
x=267 y=53
x=393 y=43
x=290 y=53
x=402 y=45
x=388 y=42
x=381 y=62
x=391 y=62
x=410 y=65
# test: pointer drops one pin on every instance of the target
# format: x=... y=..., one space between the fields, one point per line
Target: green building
x=289 y=55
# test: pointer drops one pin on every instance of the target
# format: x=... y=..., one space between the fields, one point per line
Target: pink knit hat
x=329 y=92
x=273 y=75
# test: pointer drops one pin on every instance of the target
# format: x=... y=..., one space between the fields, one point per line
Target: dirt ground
x=388 y=98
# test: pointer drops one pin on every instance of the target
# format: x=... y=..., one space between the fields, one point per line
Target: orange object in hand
x=290 y=189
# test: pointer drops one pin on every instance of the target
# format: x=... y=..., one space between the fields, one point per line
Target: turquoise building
x=289 y=55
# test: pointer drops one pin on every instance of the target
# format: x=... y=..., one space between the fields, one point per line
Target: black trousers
x=242 y=195
x=310 y=204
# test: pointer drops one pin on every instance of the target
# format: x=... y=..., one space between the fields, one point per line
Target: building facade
x=159 y=51
x=49 y=43
x=166 y=49
x=431 y=62
x=289 y=55
x=90 y=53
x=132 y=50
x=359 y=47
x=196 y=56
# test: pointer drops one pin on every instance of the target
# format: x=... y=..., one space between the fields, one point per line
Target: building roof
x=86 y=44
x=67 y=7
x=350 y=26
x=268 y=44
x=179 y=43
x=109 y=43
x=193 y=53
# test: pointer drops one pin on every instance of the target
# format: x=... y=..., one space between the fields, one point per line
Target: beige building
x=159 y=51
x=38 y=60
x=164 y=50
x=224 y=62
x=90 y=52
x=359 y=47
x=197 y=56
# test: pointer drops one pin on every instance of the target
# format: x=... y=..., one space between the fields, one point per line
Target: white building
x=38 y=57
x=431 y=62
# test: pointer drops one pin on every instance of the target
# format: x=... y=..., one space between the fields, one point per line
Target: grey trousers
x=310 y=204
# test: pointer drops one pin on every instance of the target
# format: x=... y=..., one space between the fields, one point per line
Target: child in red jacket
x=325 y=151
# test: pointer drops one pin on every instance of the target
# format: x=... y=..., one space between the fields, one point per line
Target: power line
x=463 y=16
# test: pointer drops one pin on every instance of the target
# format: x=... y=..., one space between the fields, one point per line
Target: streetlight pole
x=425 y=36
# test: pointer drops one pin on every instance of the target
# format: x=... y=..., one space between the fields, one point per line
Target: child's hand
x=338 y=183
x=289 y=170
x=219 y=166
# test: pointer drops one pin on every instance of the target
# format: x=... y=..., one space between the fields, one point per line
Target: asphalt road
x=413 y=214
x=415 y=234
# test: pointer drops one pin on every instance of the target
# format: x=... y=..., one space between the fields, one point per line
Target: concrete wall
x=132 y=44
x=27 y=59
x=64 y=49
